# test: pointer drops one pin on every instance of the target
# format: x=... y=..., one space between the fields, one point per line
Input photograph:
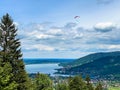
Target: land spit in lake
x=46 y=66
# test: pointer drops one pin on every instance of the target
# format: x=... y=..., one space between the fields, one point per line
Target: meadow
x=114 y=88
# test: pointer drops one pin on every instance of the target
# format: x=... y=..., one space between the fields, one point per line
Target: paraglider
x=77 y=18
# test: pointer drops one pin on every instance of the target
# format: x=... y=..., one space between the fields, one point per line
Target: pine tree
x=62 y=86
x=43 y=82
x=88 y=83
x=77 y=83
x=99 y=86
x=11 y=52
x=5 y=76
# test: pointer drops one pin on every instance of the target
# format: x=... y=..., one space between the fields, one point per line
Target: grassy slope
x=114 y=88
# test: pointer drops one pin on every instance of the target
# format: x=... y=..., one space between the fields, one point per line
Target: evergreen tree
x=43 y=82
x=62 y=86
x=11 y=52
x=5 y=76
x=99 y=86
x=77 y=83
x=88 y=83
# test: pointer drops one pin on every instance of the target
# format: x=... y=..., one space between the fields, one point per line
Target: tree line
x=12 y=69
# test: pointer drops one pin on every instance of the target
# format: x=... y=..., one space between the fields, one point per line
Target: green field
x=114 y=88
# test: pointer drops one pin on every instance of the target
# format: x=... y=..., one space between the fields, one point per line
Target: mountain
x=89 y=58
x=97 y=65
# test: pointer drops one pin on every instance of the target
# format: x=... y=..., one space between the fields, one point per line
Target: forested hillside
x=90 y=58
x=106 y=66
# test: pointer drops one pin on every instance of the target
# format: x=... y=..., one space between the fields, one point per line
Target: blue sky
x=47 y=28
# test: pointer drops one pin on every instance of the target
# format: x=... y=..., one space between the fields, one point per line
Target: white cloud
x=111 y=47
x=77 y=39
x=38 y=47
x=39 y=27
x=114 y=47
x=39 y=35
x=78 y=36
x=55 y=31
x=43 y=47
x=16 y=23
x=104 y=26
x=70 y=25
x=43 y=36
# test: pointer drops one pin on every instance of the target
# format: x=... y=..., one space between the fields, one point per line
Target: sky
x=48 y=29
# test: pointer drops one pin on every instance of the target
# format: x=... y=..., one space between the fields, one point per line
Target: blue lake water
x=42 y=68
x=46 y=66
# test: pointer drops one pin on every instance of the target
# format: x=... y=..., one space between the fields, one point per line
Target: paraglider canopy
x=77 y=18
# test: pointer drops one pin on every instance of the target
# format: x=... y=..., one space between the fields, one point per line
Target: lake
x=42 y=68
x=46 y=66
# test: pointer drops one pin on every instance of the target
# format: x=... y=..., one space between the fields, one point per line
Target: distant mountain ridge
x=97 y=65
x=45 y=60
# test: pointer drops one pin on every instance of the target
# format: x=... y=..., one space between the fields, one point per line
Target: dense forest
x=12 y=69
x=90 y=58
x=98 y=65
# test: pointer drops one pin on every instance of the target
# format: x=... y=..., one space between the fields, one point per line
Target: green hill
x=90 y=58
x=99 y=65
